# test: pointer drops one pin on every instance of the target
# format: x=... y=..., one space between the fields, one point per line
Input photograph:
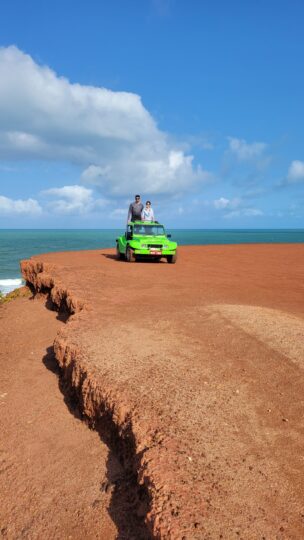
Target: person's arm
x=142 y=215
x=129 y=213
x=152 y=215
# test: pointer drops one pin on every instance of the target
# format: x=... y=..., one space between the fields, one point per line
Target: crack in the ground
x=130 y=501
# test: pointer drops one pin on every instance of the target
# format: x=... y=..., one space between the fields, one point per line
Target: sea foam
x=8 y=285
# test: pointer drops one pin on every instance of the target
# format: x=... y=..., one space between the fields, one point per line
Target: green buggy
x=146 y=239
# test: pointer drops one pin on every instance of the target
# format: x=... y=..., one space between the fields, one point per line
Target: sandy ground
x=55 y=473
x=200 y=364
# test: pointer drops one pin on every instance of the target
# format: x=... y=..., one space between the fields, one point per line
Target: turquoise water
x=21 y=244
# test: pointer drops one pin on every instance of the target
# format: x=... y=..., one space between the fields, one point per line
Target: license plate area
x=155 y=251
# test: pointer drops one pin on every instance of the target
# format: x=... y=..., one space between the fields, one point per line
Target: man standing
x=135 y=209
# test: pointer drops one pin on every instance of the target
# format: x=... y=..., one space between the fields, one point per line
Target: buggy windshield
x=149 y=230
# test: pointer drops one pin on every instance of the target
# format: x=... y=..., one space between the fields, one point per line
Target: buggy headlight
x=144 y=246
x=165 y=247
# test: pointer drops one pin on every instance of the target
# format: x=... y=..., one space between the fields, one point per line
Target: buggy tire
x=119 y=255
x=171 y=259
x=130 y=255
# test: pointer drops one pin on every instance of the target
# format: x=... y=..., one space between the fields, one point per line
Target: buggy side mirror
x=129 y=235
x=169 y=235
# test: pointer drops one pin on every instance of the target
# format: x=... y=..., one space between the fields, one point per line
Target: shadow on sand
x=129 y=501
x=62 y=312
x=111 y=256
x=147 y=260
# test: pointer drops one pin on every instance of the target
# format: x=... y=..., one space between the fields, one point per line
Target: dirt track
x=195 y=373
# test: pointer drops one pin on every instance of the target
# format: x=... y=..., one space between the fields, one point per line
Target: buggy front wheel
x=172 y=258
x=119 y=255
x=130 y=255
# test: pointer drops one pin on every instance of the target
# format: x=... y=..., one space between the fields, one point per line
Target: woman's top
x=147 y=214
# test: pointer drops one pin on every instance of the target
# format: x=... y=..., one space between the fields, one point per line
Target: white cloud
x=19 y=206
x=244 y=212
x=94 y=174
x=246 y=151
x=74 y=200
x=237 y=207
x=296 y=172
x=140 y=171
x=110 y=134
x=223 y=203
x=201 y=141
x=252 y=212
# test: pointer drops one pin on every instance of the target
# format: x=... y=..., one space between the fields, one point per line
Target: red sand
x=194 y=372
x=52 y=466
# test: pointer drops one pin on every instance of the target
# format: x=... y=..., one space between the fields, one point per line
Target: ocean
x=17 y=244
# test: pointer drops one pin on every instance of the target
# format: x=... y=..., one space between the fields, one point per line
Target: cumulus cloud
x=156 y=172
x=74 y=200
x=223 y=203
x=237 y=208
x=19 y=206
x=296 y=172
x=110 y=134
x=246 y=151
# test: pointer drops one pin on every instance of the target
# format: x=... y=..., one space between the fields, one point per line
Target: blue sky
x=196 y=105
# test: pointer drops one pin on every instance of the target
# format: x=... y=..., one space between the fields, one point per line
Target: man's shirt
x=135 y=210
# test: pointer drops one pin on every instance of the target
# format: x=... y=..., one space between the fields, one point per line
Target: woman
x=147 y=213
